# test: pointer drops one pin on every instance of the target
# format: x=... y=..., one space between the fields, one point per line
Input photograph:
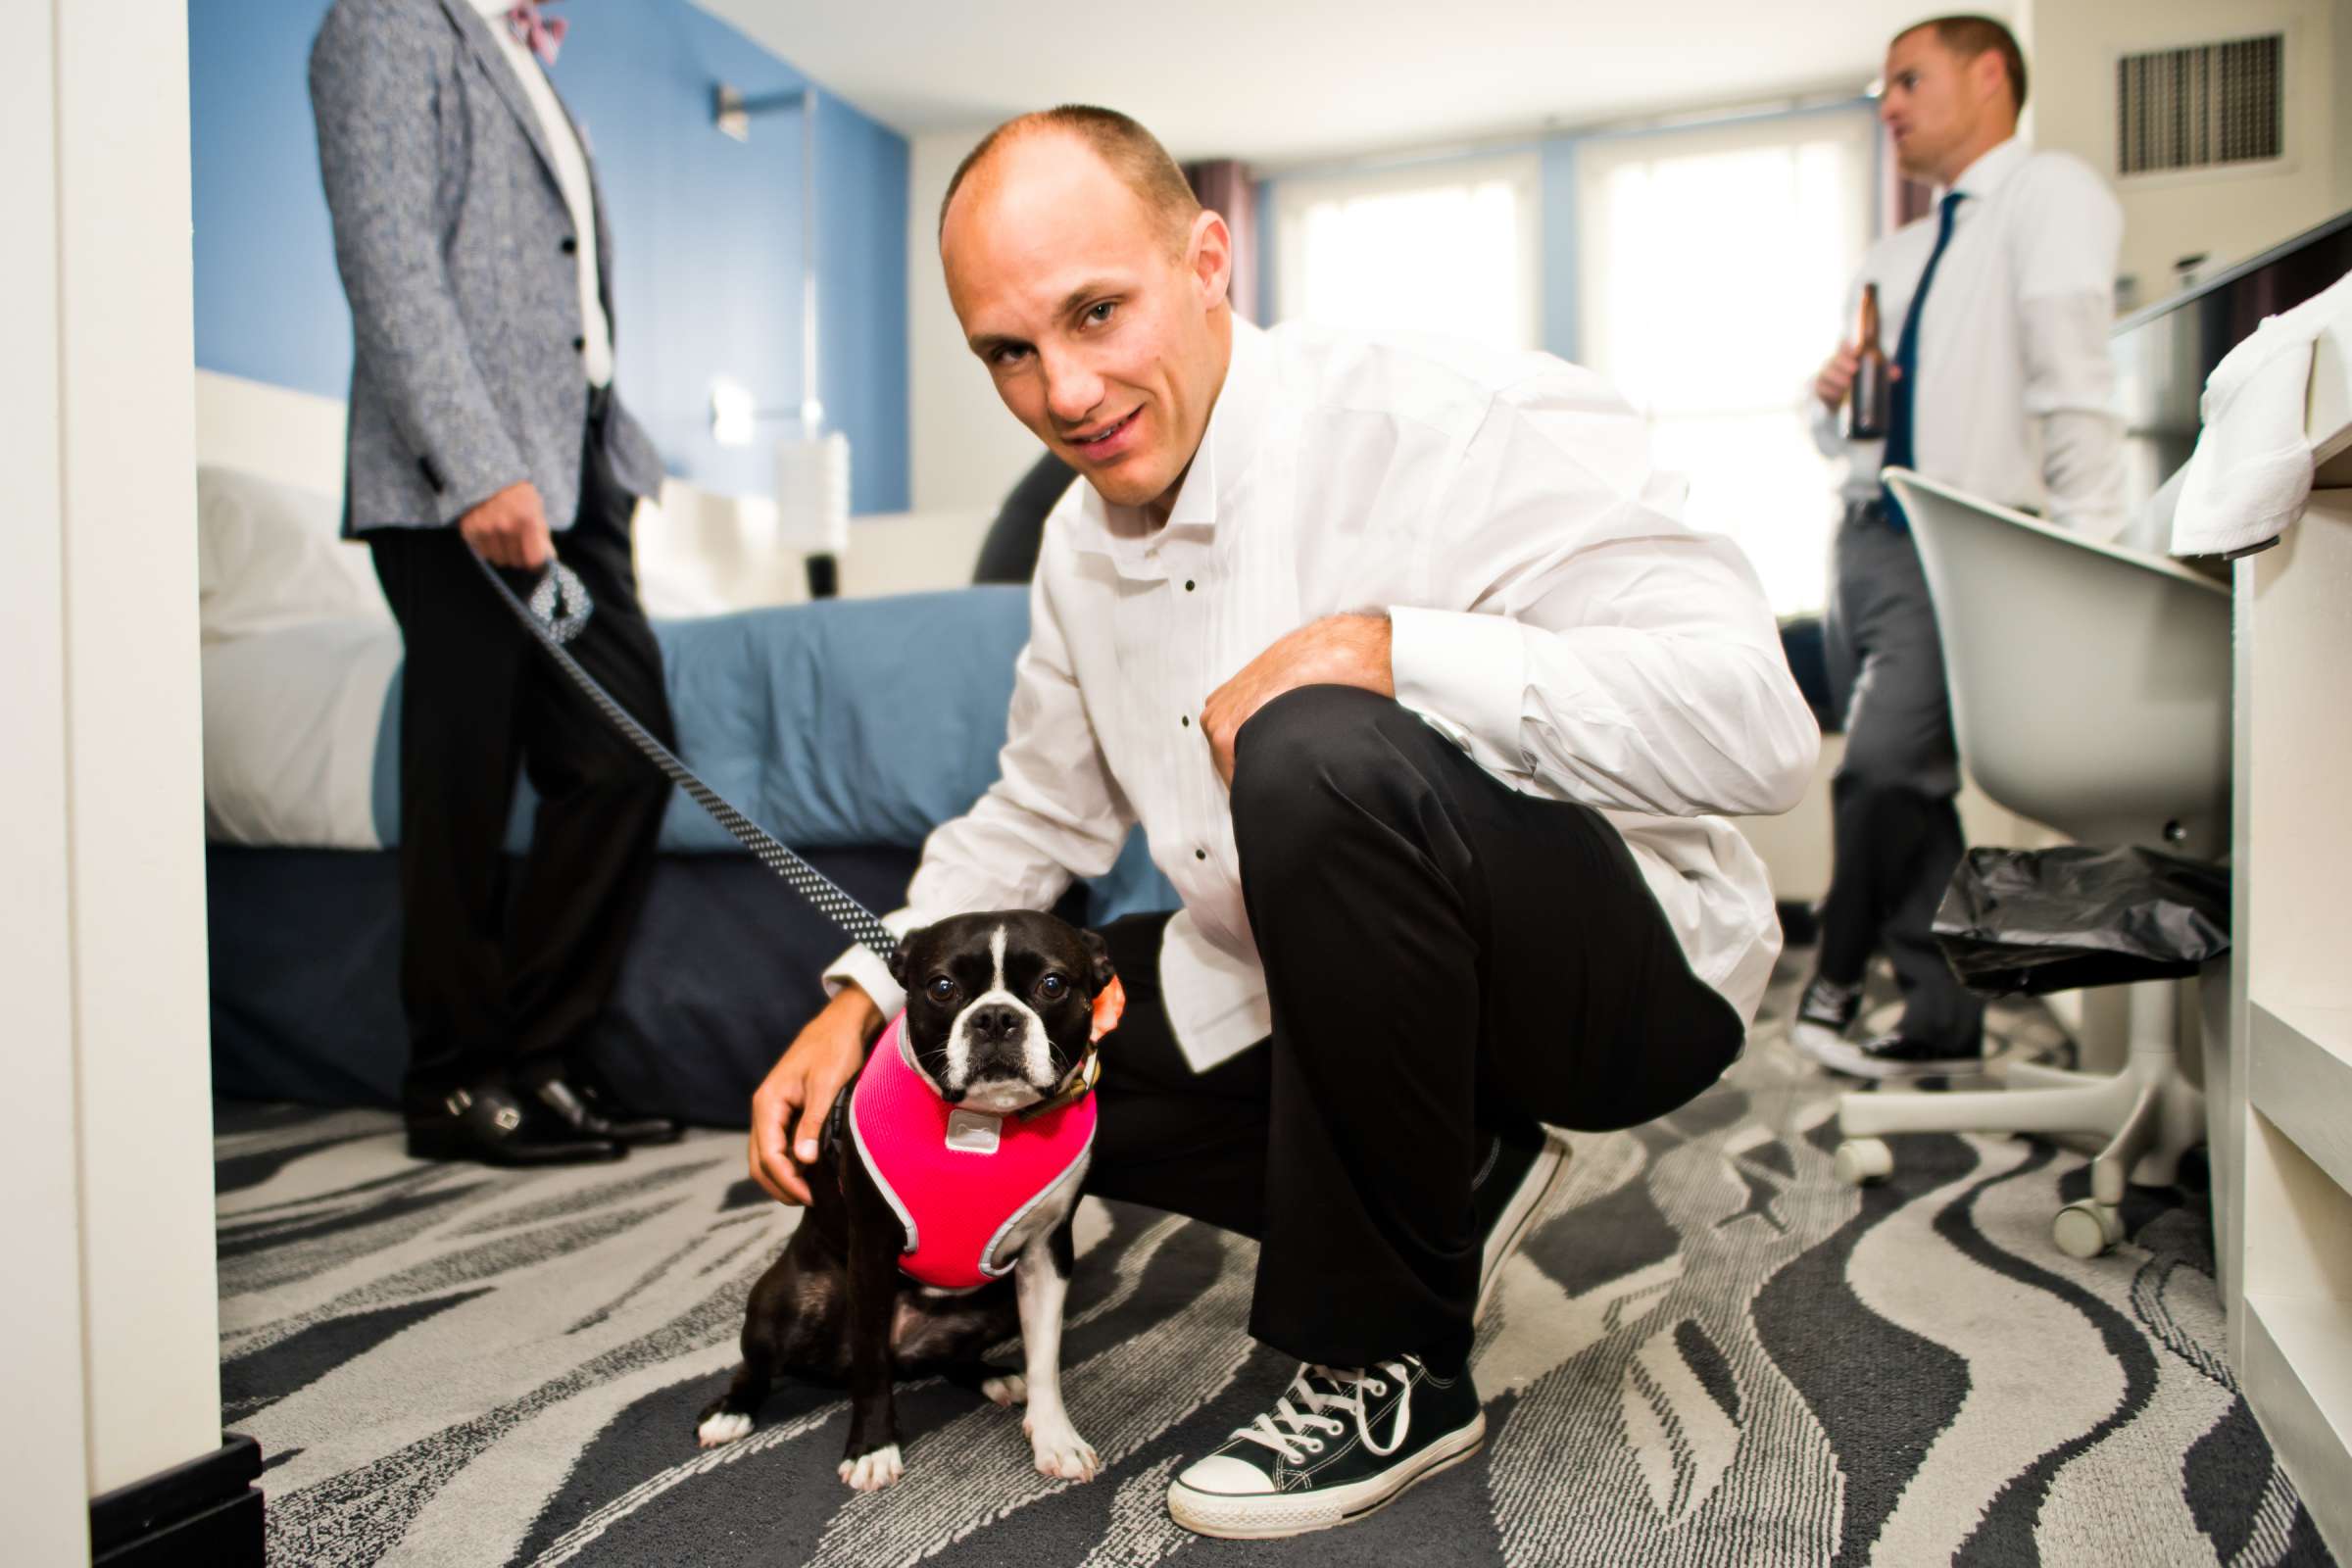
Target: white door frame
x=109 y=1328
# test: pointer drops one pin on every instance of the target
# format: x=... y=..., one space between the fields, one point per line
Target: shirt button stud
x=570 y=246
x=579 y=344
x=1186 y=720
x=1200 y=855
x=1187 y=585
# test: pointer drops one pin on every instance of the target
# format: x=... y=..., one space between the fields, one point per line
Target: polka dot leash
x=557 y=613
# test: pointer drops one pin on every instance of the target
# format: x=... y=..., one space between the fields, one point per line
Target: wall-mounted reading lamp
x=812 y=468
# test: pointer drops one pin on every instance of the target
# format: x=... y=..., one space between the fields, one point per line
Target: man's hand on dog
x=1336 y=651
x=509 y=529
x=788 y=1114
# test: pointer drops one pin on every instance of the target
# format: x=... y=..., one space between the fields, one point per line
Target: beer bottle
x=1866 y=402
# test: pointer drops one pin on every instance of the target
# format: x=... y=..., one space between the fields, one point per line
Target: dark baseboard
x=206 y=1511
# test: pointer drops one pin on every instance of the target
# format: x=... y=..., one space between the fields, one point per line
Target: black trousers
x=499 y=980
x=1895 y=834
x=1442 y=953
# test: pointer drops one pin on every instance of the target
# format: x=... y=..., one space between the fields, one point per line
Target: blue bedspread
x=855 y=721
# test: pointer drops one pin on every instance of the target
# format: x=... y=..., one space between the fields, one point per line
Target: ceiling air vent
x=2199 y=107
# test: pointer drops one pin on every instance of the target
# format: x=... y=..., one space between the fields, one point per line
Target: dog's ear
x=902 y=955
x=1099 y=952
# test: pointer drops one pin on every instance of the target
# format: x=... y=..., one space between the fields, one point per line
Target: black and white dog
x=1001 y=1015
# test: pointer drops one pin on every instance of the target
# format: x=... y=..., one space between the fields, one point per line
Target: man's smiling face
x=1104 y=327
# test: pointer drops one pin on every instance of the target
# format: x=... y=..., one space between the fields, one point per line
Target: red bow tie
x=542 y=35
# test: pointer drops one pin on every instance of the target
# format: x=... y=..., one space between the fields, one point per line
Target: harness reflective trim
x=956 y=1204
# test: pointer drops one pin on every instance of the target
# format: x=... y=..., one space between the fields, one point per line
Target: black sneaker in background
x=1894 y=1057
x=1339 y=1443
x=1825 y=1019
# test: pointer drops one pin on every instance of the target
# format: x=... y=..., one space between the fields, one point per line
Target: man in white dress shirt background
x=2000 y=302
x=1425 y=698
x=473 y=249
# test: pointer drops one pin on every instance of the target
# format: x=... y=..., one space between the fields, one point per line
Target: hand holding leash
x=509 y=529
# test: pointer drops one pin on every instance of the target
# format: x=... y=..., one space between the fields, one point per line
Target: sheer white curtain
x=1448 y=248
x=1713 y=266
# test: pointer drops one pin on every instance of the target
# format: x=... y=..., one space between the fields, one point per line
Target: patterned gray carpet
x=1708 y=1353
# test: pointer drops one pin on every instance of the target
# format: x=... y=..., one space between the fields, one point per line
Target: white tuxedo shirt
x=1551 y=615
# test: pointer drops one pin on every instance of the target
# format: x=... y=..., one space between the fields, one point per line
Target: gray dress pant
x=1896 y=831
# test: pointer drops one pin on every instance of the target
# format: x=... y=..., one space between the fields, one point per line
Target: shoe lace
x=1828 y=996
x=1290 y=1430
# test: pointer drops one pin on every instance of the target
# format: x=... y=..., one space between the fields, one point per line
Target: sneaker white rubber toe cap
x=1221 y=1475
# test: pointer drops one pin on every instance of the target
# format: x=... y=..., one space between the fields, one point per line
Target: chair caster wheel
x=1862 y=1160
x=2086 y=1229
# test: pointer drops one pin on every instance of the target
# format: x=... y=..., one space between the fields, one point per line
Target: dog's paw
x=723 y=1427
x=1008 y=1391
x=1060 y=1452
x=873 y=1471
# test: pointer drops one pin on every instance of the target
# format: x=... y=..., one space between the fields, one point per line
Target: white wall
x=44 y=1474
x=109 y=1326
x=965 y=451
x=2339 y=71
x=2227 y=214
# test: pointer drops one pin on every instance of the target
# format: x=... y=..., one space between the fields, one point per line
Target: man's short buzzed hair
x=1132 y=153
x=1969 y=36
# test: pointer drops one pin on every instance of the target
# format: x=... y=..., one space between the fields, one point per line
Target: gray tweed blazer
x=456 y=250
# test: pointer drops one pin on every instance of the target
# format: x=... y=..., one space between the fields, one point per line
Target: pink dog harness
x=959 y=1180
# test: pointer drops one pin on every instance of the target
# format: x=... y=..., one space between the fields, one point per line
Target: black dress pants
x=1442 y=953
x=1895 y=833
x=498 y=980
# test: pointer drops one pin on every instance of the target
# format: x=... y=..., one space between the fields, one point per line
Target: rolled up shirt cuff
x=863 y=967
x=1466 y=674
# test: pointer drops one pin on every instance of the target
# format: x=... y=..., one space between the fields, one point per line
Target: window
x=1714 y=265
x=1448 y=248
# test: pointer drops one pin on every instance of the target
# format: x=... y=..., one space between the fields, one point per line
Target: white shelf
x=2300 y=1076
x=2283 y=1139
x=2297 y=1373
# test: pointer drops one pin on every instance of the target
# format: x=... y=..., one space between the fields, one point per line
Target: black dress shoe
x=587 y=1107
x=493 y=1125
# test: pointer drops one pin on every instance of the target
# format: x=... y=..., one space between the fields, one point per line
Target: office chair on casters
x=2090 y=691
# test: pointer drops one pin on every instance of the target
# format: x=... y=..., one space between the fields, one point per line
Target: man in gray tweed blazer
x=473 y=249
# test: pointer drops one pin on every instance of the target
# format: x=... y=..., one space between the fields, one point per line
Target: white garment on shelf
x=1550 y=612
x=2251 y=472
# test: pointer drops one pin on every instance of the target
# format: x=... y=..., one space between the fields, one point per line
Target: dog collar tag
x=970 y=1132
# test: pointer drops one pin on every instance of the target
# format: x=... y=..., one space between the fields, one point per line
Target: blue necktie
x=1906 y=360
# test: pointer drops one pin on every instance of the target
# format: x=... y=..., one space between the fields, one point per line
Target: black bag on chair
x=2059 y=919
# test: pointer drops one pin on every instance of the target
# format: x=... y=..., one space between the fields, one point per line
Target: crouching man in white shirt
x=1424 y=697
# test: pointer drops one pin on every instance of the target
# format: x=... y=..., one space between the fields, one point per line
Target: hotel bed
x=796 y=714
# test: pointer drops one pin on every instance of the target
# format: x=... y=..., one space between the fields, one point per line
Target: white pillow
x=267 y=557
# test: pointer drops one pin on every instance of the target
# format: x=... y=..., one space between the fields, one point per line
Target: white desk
x=2282 y=1156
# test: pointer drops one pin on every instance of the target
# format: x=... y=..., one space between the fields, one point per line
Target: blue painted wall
x=707 y=230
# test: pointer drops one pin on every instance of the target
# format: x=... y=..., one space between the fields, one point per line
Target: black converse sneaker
x=1337 y=1444
x=1520 y=1170
x=1825 y=1021
x=1894 y=1057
